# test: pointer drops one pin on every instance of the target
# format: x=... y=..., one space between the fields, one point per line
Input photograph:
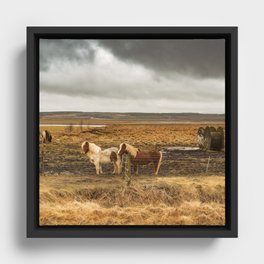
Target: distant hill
x=113 y=117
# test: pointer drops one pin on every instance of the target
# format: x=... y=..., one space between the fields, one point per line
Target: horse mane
x=131 y=150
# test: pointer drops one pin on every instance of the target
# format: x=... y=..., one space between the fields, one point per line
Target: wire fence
x=176 y=161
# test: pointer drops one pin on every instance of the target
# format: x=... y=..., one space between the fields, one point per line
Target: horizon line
x=61 y=111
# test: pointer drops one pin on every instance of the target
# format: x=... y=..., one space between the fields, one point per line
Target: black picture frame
x=33 y=36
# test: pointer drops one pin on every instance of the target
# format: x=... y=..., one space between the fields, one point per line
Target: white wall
x=15 y=16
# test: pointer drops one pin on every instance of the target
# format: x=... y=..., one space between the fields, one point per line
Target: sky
x=132 y=75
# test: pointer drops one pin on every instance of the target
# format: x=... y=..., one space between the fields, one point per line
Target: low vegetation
x=93 y=200
x=184 y=192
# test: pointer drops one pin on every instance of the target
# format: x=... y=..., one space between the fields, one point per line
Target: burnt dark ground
x=68 y=160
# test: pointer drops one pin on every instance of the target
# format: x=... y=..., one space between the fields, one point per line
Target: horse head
x=85 y=147
x=122 y=149
x=201 y=131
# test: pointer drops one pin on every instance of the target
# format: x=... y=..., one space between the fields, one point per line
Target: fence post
x=207 y=166
x=127 y=161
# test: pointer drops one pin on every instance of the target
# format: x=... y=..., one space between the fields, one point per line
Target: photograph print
x=132 y=132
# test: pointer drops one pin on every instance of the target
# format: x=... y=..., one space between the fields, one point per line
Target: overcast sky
x=132 y=75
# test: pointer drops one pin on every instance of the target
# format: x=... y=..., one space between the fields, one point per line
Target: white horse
x=97 y=156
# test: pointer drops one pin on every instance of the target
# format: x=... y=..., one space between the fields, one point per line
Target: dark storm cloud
x=197 y=57
x=133 y=75
x=64 y=51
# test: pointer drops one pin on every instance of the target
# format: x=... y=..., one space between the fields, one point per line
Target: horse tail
x=159 y=163
x=113 y=156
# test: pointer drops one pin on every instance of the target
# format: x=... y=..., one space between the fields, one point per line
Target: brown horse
x=46 y=136
x=139 y=157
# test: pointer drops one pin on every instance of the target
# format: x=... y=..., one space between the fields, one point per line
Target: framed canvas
x=132 y=132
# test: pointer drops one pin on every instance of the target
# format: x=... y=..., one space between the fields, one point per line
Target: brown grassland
x=183 y=193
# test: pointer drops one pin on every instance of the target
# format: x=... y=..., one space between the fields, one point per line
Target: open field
x=141 y=135
x=128 y=118
x=92 y=200
x=183 y=193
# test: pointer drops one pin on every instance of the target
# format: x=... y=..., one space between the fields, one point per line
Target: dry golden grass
x=93 y=200
x=138 y=135
x=71 y=195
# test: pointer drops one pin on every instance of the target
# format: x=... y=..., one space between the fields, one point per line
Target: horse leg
x=118 y=168
x=119 y=165
x=101 y=169
x=115 y=168
x=97 y=168
x=157 y=163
